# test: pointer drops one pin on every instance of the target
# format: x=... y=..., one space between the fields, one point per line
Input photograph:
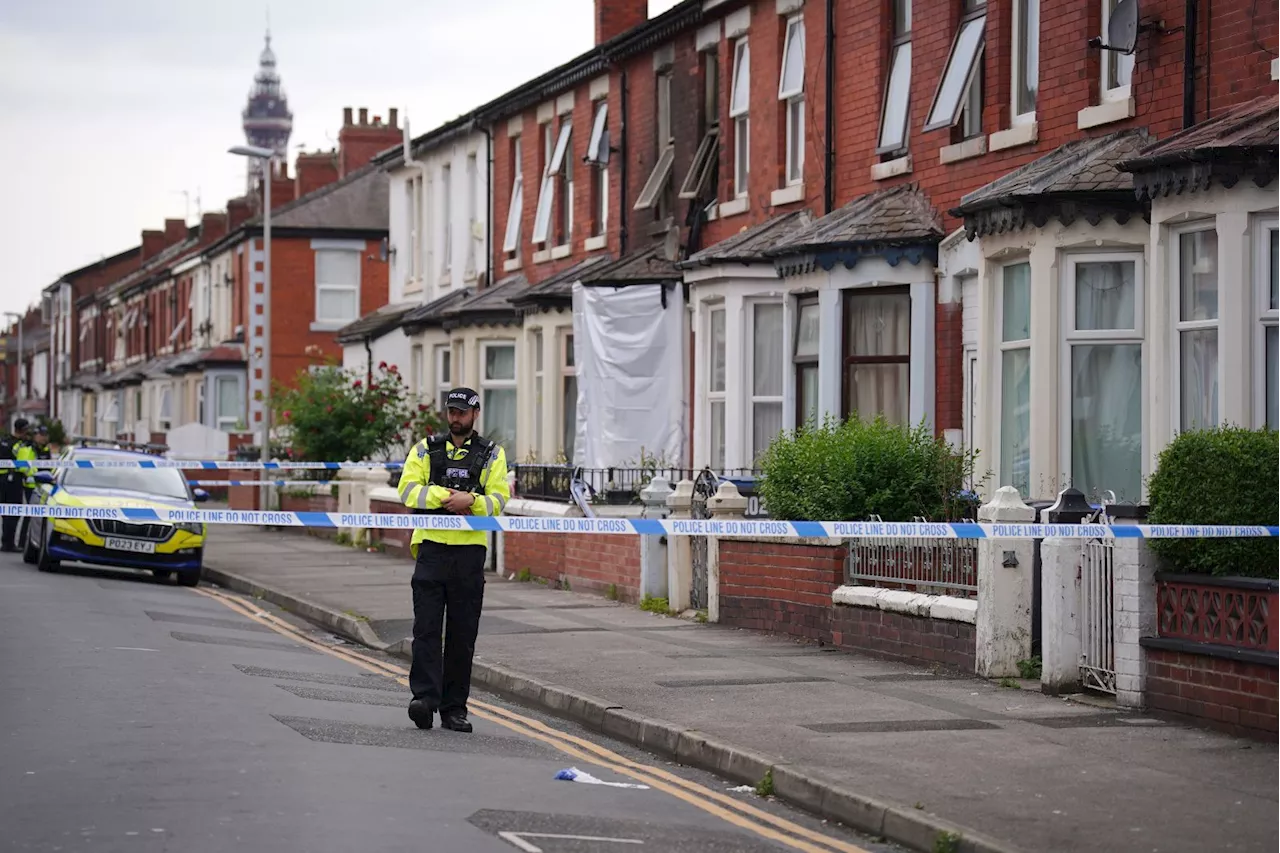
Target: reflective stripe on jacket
x=417 y=492
x=24 y=452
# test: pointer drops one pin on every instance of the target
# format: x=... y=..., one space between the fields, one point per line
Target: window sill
x=735 y=207
x=446 y=279
x=661 y=227
x=510 y=264
x=329 y=325
x=1275 y=69
x=966 y=150
x=561 y=252
x=542 y=257
x=1019 y=134
x=891 y=168
x=713 y=212
x=787 y=195
x=594 y=244
x=1105 y=113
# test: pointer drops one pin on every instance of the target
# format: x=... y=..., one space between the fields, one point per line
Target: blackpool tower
x=267 y=120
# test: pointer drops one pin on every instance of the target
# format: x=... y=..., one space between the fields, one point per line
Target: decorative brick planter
x=1215 y=658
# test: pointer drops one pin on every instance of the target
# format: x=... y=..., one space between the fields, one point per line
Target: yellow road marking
x=699 y=796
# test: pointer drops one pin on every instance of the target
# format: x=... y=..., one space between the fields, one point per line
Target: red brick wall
x=779 y=587
x=591 y=563
x=902 y=635
x=395 y=541
x=313 y=503
x=1234 y=696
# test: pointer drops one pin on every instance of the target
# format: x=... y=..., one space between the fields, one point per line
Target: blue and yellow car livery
x=167 y=549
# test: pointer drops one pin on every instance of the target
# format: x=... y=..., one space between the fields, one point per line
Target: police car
x=166 y=549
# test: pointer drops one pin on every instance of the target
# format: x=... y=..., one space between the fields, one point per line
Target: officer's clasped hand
x=459 y=503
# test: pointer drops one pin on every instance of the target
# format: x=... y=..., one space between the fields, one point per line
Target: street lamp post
x=266 y=156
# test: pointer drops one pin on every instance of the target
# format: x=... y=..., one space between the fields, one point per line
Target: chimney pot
x=614 y=17
x=364 y=116
x=393 y=116
x=346 y=116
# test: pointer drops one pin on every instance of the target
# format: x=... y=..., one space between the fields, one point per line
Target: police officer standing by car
x=37 y=449
x=459 y=474
x=13 y=447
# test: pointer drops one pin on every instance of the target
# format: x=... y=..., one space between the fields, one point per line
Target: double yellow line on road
x=732 y=811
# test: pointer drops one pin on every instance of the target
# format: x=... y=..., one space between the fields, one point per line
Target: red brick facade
x=1235 y=696
x=590 y=563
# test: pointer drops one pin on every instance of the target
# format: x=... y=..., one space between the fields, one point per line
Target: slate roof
x=646 y=266
x=1077 y=179
x=897 y=215
x=376 y=323
x=132 y=375
x=491 y=306
x=358 y=202
x=432 y=313
x=162 y=260
x=751 y=245
x=1240 y=143
x=558 y=289
x=194 y=359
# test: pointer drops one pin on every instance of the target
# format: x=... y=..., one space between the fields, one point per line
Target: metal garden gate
x=1097 y=620
x=704 y=487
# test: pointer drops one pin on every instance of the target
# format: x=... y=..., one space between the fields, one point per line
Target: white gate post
x=1005 y=585
x=653 y=549
x=1060 y=617
x=1135 y=614
x=679 y=553
x=727 y=503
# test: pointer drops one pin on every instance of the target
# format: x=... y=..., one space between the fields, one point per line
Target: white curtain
x=1016 y=303
x=807 y=388
x=1199 y=379
x=499 y=415
x=500 y=363
x=1015 y=419
x=879 y=325
x=1272 y=335
x=768 y=362
x=1106 y=419
x=570 y=410
x=1105 y=293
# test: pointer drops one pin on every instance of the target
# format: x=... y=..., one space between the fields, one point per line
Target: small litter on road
x=573 y=774
x=743 y=789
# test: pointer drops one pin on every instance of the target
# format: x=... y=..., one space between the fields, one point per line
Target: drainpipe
x=368 y=363
x=829 y=152
x=1189 y=66
x=622 y=156
x=488 y=211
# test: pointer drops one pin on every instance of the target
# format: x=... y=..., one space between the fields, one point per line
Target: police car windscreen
x=165 y=482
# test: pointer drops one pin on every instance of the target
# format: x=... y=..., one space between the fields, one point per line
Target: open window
x=546 y=199
x=656 y=185
x=515 y=212
x=739 y=111
x=598 y=147
x=791 y=91
x=897 y=89
x=962 y=72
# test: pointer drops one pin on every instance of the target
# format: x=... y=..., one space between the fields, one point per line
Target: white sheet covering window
x=878 y=365
x=1105 y=363
x=768 y=364
x=629 y=350
x=1198 y=329
x=1015 y=377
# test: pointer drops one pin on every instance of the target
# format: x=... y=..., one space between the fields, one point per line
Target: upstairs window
x=1117 y=68
x=702 y=182
x=1026 y=59
x=655 y=192
x=446 y=217
x=515 y=211
x=598 y=154
x=959 y=95
x=739 y=111
x=337 y=287
x=897 y=90
x=556 y=165
x=791 y=92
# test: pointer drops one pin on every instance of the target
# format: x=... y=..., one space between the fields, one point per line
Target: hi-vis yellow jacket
x=417 y=492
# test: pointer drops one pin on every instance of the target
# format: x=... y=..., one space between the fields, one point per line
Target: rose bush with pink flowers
x=333 y=415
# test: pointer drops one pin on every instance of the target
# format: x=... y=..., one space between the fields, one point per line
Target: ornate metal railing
x=934 y=566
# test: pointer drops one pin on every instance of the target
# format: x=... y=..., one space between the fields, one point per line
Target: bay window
x=877 y=347
x=1103 y=362
x=1196 y=323
x=716 y=385
x=568 y=399
x=1014 y=320
x=416 y=378
x=442 y=357
x=1266 y=277
x=767 y=372
x=230 y=402
x=498 y=394
x=536 y=345
x=805 y=359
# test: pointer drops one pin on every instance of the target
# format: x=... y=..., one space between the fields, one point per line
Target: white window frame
x=715 y=396
x=515 y=212
x=793 y=99
x=1267 y=317
x=413 y=201
x=417 y=364
x=568 y=370
x=595 y=149
x=968 y=46
x=1003 y=346
x=1179 y=326
x=800 y=362
x=164 y=401
x=741 y=117
x=487 y=384
x=752 y=399
x=1068 y=338
x=322 y=287
x=446 y=219
x=656 y=185
x=1020 y=65
x=1111 y=62
x=539 y=388
x=473 y=221
x=225 y=422
x=441 y=364
x=895 y=140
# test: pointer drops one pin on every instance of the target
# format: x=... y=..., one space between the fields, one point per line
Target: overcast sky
x=111 y=109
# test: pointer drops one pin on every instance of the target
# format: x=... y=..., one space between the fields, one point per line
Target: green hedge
x=851 y=470
x=1226 y=475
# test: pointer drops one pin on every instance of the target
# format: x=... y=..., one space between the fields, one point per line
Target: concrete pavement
x=891 y=748
x=139 y=716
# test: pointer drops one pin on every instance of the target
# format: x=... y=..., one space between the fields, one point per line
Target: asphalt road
x=139 y=716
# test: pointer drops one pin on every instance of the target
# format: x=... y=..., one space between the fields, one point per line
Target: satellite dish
x=671 y=244
x=1122 y=28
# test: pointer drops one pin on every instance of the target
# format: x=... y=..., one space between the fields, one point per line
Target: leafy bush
x=1225 y=475
x=851 y=470
x=57 y=433
x=332 y=415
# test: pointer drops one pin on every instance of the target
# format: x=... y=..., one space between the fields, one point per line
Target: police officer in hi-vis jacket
x=460 y=473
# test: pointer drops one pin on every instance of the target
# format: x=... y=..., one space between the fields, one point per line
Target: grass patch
x=611 y=592
x=525 y=576
x=1010 y=683
x=650 y=604
x=764 y=788
x=1031 y=667
x=343 y=538
x=700 y=617
x=946 y=842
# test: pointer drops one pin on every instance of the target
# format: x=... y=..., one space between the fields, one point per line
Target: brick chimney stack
x=152 y=244
x=213 y=227
x=239 y=210
x=614 y=17
x=359 y=143
x=314 y=171
x=175 y=231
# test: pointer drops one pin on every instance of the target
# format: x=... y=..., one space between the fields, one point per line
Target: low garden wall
x=308 y=499
x=599 y=563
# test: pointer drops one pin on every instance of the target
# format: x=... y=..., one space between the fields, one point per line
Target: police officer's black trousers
x=11 y=492
x=448 y=592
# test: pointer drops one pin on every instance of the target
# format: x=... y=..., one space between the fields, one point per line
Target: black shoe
x=9 y=549
x=421 y=713
x=455 y=721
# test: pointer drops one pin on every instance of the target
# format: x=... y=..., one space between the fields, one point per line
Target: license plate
x=133 y=546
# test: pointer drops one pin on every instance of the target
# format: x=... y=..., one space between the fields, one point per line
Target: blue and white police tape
x=190 y=464
x=216 y=483
x=644 y=526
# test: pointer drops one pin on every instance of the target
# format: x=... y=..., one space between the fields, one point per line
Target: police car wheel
x=30 y=551
x=189 y=578
x=45 y=562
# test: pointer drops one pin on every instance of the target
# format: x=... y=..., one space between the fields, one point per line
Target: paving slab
x=1032 y=772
